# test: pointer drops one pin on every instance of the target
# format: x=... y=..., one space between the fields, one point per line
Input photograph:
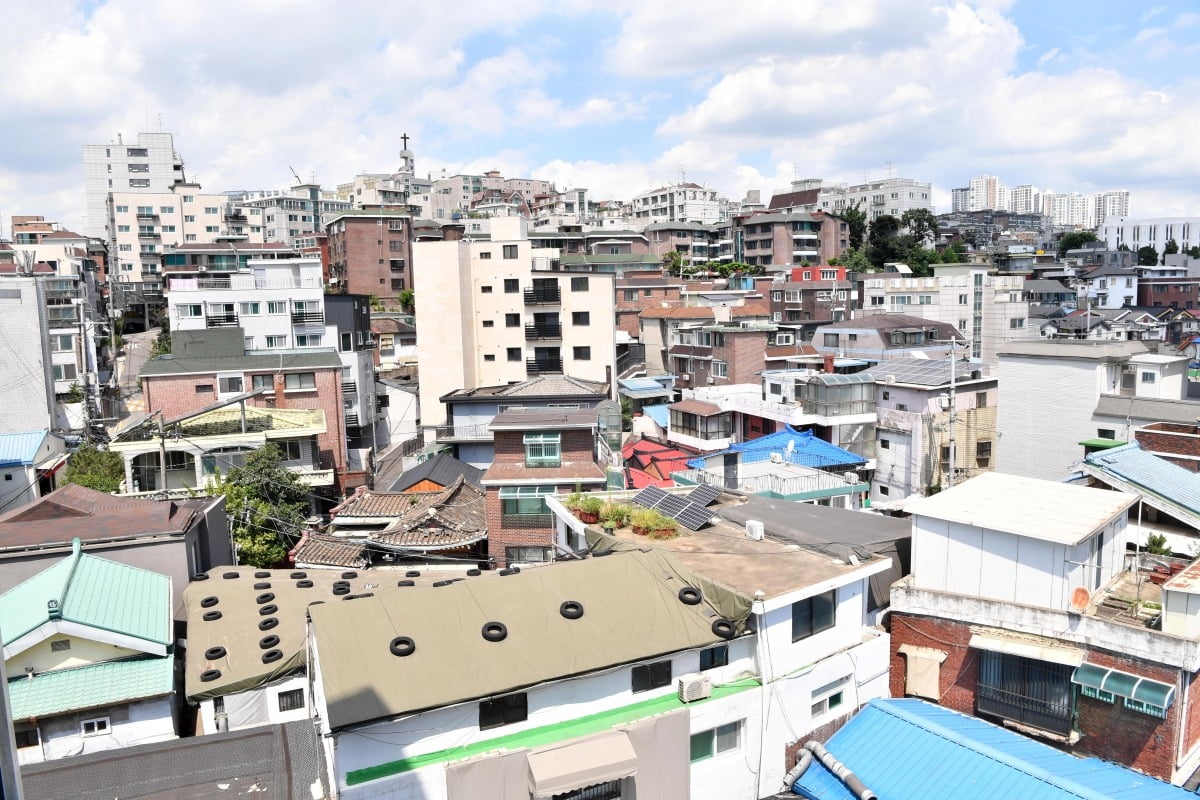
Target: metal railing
x=308 y=318
x=349 y=387
x=543 y=366
x=545 y=331
x=473 y=433
x=542 y=296
x=220 y=320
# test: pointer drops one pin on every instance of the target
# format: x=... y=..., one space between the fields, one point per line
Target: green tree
x=408 y=300
x=853 y=260
x=1156 y=545
x=856 y=224
x=1194 y=252
x=1169 y=249
x=1073 y=241
x=374 y=301
x=266 y=504
x=102 y=470
x=672 y=262
x=162 y=343
x=1147 y=256
x=884 y=243
x=954 y=253
x=921 y=224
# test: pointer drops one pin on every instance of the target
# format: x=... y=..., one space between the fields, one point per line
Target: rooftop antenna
x=297 y=177
x=160 y=122
x=890 y=170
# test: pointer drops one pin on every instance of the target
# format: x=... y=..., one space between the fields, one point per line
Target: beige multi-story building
x=145 y=225
x=681 y=202
x=149 y=166
x=986 y=307
x=495 y=312
x=891 y=196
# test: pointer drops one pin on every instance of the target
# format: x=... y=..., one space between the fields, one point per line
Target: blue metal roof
x=1149 y=472
x=806 y=449
x=660 y=414
x=20 y=448
x=911 y=748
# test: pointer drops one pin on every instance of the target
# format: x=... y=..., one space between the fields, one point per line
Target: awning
x=1028 y=647
x=1124 y=684
x=585 y=762
x=923 y=676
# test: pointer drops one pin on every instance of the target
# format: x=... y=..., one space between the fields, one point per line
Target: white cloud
x=1049 y=56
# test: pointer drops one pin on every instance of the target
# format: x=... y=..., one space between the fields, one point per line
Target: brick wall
x=363 y=252
x=1107 y=730
x=1166 y=439
x=745 y=356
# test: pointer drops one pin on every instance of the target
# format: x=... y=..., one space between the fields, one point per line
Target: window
x=581 y=318
x=512 y=320
x=581 y=353
x=1016 y=322
x=262 y=382
x=1106 y=433
x=501 y=711
x=579 y=284
x=203 y=388
x=631 y=294
x=345 y=342
x=1148 y=377
x=26 y=737
x=714 y=657
x=122 y=229
x=189 y=217
x=526 y=555
x=489 y=323
x=485 y=255
x=885 y=444
x=211 y=210
x=511 y=285
x=252 y=309
x=166 y=209
x=720 y=739
x=720 y=369
x=60 y=645
x=122 y=209
x=1026 y=691
x=308 y=340
x=292 y=700
x=300 y=380
x=489 y=357
x=543 y=449
x=485 y=289
x=277 y=307
x=510 y=251
x=276 y=342
x=525 y=505
x=651 y=676
x=962 y=299
x=813 y=615
x=230 y=385
x=983 y=454
x=831 y=340
x=139 y=183
x=981 y=400
x=125 y=248
x=95 y=727
x=62 y=343
x=513 y=353
x=64 y=372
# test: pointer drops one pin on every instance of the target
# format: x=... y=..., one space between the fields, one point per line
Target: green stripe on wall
x=547 y=734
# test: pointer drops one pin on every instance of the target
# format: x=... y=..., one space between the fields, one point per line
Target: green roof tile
x=96 y=685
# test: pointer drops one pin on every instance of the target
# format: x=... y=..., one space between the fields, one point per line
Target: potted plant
x=614 y=515
x=661 y=526
x=572 y=501
x=589 y=510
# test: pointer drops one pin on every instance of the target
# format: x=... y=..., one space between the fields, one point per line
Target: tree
x=856 y=224
x=954 y=253
x=921 y=224
x=1073 y=241
x=162 y=343
x=102 y=470
x=408 y=300
x=853 y=260
x=266 y=503
x=1169 y=249
x=1156 y=545
x=374 y=301
x=1147 y=256
x=1194 y=252
x=672 y=262
x=885 y=244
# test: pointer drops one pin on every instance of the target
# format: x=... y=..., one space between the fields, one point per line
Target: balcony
x=149 y=216
x=543 y=366
x=464 y=433
x=349 y=387
x=61 y=316
x=544 y=331
x=308 y=318
x=220 y=320
x=54 y=295
x=352 y=421
x=543 y=296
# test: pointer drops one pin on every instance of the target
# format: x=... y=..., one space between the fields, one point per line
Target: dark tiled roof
x=330 y=551
x=443 y=469
x=76 y=511
x=889 y=322
x=202 y=365
x=269 y=762
x=453 y=518
x=542 y=386
x=567 y=472
x=804 y=197
x=696 y=407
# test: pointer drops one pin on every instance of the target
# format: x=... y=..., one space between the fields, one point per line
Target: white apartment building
x=1151 y=231
x=1025 y=199
x=293 y=213
x=892 y=196
x=986 y=307
x=986 y=192
x=960 y=199
x=150 y=165
x=494 y=312
x=1111 y=203
x=27 y=377
x=145 y=225
x=680 y=202
x=280 y=305
x=399 y=188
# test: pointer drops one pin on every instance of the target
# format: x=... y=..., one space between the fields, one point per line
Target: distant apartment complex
x=680 y=202
x=988 y=193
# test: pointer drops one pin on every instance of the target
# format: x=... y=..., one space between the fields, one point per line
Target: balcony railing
x=62 y=315
x=308 y=318
x=543 y=366
x=349 y=387
x=352 y=421
x=542 y=296
x=140 y=215
x=220 y=320
x=470 y=433
x=544 y=331
x=63 y=294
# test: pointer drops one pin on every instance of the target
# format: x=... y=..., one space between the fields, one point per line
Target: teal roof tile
x=94 y=686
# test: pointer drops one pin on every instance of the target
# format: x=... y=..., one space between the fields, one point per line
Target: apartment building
x=987 y=307
x=148 y=165
x=494 y=312
x=1151 y=232
x=290 y=214
x=370 y=253
x=891 y=196
x=680 y=202
x=781 y=241
x=812 y=297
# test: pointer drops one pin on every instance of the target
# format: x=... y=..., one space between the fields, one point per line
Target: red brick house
x=370 y=252
x=211 y=365
x=538 y=452
x=1024 y=608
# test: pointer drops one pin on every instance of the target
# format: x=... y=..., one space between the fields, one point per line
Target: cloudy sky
x=615 y=96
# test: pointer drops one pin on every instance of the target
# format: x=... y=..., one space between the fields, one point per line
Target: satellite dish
x=1080 y=597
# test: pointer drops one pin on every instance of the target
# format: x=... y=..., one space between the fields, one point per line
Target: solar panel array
x=921 y=371
x=690 y=515
x=704 y=495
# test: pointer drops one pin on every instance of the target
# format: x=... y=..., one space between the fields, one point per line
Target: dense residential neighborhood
x=798 y=461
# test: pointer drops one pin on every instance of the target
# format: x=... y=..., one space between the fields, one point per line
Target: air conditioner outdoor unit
x=776 y=458
x=710 y=379
x=693 y=688
x=755 y=530
x=201 y=269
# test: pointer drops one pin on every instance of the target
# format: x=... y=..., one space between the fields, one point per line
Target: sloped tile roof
x=94 y=686
x=443 y=469
x=330 y=551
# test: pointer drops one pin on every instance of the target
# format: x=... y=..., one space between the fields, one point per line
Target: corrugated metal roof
x=795 y=447
x=910 y=748
x=20 y=448
x=93 y=686
x=1147 y=471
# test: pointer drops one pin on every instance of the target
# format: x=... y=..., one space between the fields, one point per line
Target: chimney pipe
x=280 y=402
x=829 y=364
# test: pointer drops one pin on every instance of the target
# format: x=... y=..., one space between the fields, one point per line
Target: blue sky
x=616 y=96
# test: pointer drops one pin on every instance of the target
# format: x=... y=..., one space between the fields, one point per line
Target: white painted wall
x=256 y=707
x=136 y=723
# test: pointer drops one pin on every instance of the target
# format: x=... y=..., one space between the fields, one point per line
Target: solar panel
x=704 y=495
x=671 y=505
x=649 y=497
x=693 y=516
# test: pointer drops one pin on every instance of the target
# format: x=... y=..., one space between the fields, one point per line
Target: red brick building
x=1033 y=618
x=800 y=238
x=370 y=252
x=207 y=366
x=538 y=452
